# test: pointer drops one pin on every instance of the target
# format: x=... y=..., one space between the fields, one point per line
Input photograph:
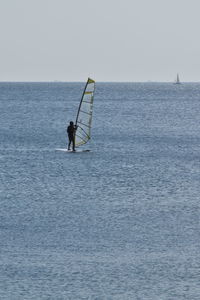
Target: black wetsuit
x=71 y=135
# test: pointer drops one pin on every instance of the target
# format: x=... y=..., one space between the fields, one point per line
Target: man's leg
x=73 y=144
x=69 y=144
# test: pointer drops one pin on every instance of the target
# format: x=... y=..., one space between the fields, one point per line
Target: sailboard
x=71 y=151
x=84 y=115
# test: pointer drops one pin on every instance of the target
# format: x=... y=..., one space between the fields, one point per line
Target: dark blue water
x=119 y=222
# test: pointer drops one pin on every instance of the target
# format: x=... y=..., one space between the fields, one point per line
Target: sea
x=119 y=222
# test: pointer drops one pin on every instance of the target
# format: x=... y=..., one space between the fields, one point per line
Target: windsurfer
x=71 y=130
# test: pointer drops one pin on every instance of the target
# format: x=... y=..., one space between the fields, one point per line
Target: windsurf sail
x=84 y=115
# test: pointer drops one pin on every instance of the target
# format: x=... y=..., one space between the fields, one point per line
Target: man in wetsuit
x=71 y=129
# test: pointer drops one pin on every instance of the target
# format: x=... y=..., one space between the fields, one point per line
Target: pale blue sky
x=109 y=40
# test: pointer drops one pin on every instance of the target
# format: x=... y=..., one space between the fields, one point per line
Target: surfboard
x=70 y=151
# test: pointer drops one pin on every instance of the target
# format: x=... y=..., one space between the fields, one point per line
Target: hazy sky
x=109 y=40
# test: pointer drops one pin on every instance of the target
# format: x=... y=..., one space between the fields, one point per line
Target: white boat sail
x=177 y=81
x=84 y=115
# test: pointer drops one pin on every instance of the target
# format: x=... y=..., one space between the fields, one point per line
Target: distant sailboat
x=177 y=81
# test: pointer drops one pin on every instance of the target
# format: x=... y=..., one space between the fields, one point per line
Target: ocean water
x=119 y=222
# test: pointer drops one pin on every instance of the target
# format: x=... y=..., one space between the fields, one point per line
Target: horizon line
x=78 y=81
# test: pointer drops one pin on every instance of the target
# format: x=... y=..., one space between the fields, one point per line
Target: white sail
x=84 y=115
